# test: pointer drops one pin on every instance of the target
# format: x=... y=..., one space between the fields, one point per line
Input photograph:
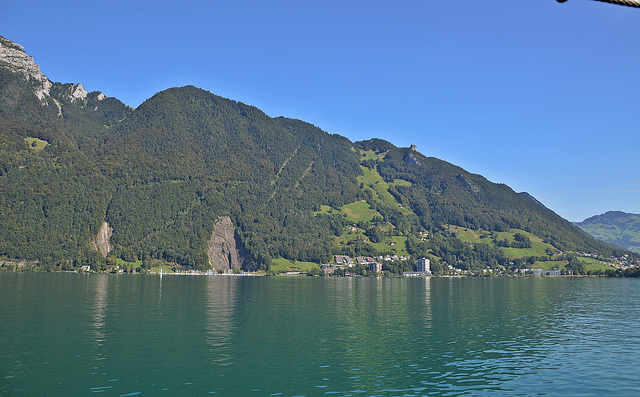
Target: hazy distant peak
x=616 y=227
x=610 y=217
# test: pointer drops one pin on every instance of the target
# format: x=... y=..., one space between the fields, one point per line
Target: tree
x=521 y=241
x=575 y=266
x=374 y=234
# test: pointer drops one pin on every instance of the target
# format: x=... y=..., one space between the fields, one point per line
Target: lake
x=126 y=335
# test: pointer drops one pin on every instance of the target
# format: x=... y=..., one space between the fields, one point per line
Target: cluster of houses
x=365 y=260
x=540 y=272
x=110 y=269
x=343 y=262
x=500 y=272
x=622 y=262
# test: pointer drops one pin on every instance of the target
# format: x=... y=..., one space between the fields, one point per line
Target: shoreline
x=263 y=274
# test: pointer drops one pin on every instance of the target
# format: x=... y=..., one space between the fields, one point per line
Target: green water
x=124 y=335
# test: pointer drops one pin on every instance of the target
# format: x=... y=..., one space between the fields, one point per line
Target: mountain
x=615 y=227
x=199 y=181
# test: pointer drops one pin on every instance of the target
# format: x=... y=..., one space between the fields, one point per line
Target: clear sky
x=541 y=96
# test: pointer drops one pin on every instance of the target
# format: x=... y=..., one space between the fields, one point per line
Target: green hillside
x=615 y=227
x=161 y=177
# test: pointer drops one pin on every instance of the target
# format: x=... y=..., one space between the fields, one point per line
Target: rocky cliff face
x=101 y=243
x=411 y=159
x=78 y=93
x=224 y=249
x=15 y=58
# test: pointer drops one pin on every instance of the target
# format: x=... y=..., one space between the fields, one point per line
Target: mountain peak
x=610 y=217
x=14 y=57
x=163 y=177
x=10 y=44
x=79 y=93
x=531 y=198
x=616 y=227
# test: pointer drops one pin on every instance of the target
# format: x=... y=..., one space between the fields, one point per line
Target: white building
x=423 y=266
x=375 y=267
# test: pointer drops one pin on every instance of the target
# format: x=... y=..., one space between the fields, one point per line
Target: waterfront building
x=423 y=266
x=375 y=267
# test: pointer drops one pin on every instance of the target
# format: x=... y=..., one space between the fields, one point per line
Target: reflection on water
x=67 y=334
x=101 y=283
x=425 y=288
x=221 y=300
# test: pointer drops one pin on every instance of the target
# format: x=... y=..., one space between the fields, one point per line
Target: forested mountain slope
x=159 y=179
x=616 y=227
x=186 y=157
x=442 y=193
x=52 y=195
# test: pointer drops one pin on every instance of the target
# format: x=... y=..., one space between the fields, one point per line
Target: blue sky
x=541 y=96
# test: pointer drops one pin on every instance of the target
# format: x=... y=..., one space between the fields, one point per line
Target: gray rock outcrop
x=101 y=243
x=411 y=158
x=224 y=250
x=470 y=185
x=78 y=93
x=15 y=58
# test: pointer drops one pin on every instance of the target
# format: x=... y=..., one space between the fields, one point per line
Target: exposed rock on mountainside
x=79 y=93
x=411 y=158
x=101 y=244
x=224 y=249
x=15 y=58
x=472 y=187
x=162 y=176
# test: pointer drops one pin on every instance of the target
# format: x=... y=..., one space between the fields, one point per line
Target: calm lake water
x=126 y=335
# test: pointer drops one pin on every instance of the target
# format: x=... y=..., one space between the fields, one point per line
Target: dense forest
x=161 y=175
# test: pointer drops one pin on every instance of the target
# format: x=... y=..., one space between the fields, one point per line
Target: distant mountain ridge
x=200 y=181
x=616 y=227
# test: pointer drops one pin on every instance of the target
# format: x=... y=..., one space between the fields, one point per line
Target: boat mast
x=628 y=3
